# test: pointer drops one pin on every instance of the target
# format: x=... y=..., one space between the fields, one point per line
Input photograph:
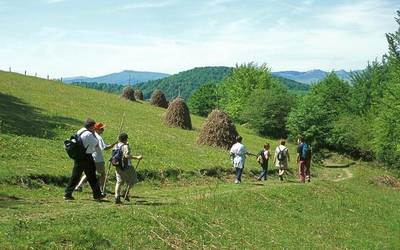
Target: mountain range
x=312 y=76
x=124 y=77
x=134 y=77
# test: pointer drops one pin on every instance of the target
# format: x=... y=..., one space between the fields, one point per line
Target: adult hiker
x=304 y=160
x=125 y=173
x=262 y=158
x=86 y=163
x=98 y=157
x=281 y=159
x=238 y=156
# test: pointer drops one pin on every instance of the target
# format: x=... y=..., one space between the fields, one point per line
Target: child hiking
x=262 y=159
x=124 y=171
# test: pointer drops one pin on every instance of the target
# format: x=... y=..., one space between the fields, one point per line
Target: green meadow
x=186 y=198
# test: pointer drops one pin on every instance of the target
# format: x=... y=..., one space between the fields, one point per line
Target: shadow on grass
x=338 y=165
x=37 y=181
x=9 y=201
x=153 y=203
x=19 y=118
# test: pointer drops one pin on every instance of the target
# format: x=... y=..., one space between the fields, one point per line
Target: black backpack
x=117 y=157
x=281 y=155
x=74 y=147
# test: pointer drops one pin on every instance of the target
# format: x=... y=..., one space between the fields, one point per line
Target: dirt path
x=346 y=175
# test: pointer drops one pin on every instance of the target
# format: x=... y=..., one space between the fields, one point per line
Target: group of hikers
x=281 y=159
x=92 y=160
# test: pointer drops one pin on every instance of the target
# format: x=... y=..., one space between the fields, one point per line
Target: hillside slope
x=187 y=199
x=44 y=113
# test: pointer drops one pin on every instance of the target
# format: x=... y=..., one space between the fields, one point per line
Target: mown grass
x=177 y=205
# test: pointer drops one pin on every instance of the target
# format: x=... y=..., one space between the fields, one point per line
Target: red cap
x=99 y=125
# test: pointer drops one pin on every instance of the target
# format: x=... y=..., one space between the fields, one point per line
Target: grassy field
x=187 y=199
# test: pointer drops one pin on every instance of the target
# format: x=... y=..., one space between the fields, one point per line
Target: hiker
x=281 y=159
x=304 y=160
x=98 y=157
x=238 y=156
x=262 y=159
x=125 y=173
x=86 y=164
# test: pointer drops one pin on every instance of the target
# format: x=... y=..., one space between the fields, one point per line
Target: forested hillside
x=184 y=83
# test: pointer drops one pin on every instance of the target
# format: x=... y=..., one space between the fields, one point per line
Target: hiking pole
x=105 y=180
x=109 y=163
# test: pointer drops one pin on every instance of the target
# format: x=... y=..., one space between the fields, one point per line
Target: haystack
x=158 y=99
x=218 y=130
x=139 y=95
x=178 y=114
x=128 y=93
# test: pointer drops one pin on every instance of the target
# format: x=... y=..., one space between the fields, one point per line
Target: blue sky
x=71 y=37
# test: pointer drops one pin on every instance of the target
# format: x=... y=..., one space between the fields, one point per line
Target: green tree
x=368 y=86
x=387 y=124
x=239 y=85
x=203 y=100
x=266 y=110
x=314 y=115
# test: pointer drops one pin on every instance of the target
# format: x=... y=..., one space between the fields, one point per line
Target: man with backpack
x=281 y=159
x=304 y=160
x=98 y=157
x=83 y=161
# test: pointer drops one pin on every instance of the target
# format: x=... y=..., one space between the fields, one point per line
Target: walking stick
x=129 y=186
x=105 y=180
x=109 y=163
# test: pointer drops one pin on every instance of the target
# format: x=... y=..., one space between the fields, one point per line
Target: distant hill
x=124 y=77
x=311 y=75
x=187 y=82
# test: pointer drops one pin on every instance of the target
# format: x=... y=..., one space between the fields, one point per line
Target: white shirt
x=98 y=154
x=239 y=151
x=89 y=140
x=285 y=150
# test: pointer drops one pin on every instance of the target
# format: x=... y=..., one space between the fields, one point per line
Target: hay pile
x=218 y=130
x=158 y=99
x=178 y=114
x=128 y=93
x=139 y=95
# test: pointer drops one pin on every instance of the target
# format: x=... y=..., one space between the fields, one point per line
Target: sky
x=64 y=38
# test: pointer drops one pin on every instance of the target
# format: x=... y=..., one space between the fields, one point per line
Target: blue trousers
x=239 y=174
x=264 y=172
